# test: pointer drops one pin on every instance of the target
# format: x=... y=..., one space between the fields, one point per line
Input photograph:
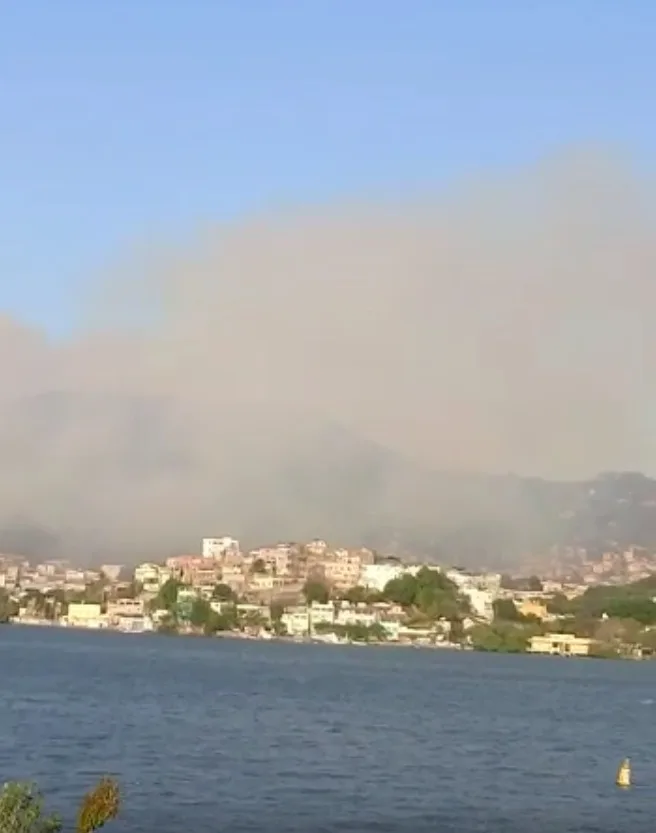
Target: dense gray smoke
x=303 y=374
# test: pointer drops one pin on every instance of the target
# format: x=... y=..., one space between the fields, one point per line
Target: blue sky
x=129 y=120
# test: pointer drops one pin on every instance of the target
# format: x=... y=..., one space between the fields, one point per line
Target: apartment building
x=124 y=607
x=343 y=569
x=151 y=576
x=278 y=559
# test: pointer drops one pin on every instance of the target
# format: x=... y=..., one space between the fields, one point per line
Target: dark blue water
x=211 y=735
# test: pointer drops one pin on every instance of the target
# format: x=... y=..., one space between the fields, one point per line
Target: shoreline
x=290 y=640
x=236 y=635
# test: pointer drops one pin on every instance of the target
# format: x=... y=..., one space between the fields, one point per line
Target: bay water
x=211 y=735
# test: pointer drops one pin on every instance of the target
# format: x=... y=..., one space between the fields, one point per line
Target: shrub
x=22 y=811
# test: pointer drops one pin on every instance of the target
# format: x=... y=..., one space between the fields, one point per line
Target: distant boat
x=623 y=778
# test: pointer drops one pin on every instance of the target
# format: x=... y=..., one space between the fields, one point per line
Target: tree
x=505 y=610
x=200 y=613
x=559 y=605
x=431 y=594
x=259 y=566
x=377 y=632
x=356 y=595
x=8 y=607
x=96 y=591
x=315 y=591
x=534 y=584
x=276 y=611
x=401 y=590
x=501 y=637
x=167 y=597
x=21 y=811
x=223 y=593
x=629 y=601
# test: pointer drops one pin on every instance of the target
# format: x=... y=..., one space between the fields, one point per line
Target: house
x=560 y=644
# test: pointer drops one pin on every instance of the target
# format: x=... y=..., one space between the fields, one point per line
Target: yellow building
x=84 y=615
x=533 y=607
x=560 y=644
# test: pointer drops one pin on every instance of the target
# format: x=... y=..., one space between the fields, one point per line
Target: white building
x=376 y=576
x=218 y=548
x=151 y=576
x=296 y=621
x=356 y=614
x=481 y=602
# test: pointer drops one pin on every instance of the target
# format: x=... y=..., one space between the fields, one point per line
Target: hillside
x=131 y=477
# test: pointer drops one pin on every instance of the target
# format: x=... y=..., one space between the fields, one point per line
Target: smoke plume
x=303 y=374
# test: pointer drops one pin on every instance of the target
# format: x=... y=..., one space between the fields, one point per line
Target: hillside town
x=313 y=591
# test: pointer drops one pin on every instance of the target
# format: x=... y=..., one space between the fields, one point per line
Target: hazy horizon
x=500 y=326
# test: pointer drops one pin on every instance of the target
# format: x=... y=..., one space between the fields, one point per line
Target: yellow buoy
x=623 y=778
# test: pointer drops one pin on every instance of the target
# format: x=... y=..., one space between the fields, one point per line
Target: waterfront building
x=560 y=644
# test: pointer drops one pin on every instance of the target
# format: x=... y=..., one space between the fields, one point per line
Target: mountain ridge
x=97 y=477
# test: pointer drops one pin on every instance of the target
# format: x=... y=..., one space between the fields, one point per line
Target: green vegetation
x=361 y=595
x=276 y=612
x=167 y=598
x=502 y=637
x=200 y=613
x=224 y=593
x=509 y=632
x=315 y=591
x=428 y=596
x=22 y=809
x=627 y=601
x=620 y=618
x=8 y=608
x=505 y=610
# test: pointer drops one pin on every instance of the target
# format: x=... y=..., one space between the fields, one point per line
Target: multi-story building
x=205 y=574
x=278 y=559
x=151 y=576
x=193 y=569
x=343 y=569
x=219 y=548
x=124 y=607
